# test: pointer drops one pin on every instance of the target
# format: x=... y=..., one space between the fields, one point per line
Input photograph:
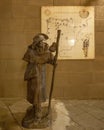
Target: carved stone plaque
x=77 y=30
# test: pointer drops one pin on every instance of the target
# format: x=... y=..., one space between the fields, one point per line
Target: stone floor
x=66 y=114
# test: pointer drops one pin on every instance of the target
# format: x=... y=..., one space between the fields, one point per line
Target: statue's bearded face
x=41 y=41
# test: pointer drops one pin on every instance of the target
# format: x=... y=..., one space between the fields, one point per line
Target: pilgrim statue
x=38 y=54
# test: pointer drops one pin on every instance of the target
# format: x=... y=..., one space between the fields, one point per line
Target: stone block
x=13 y=88
x=4 y=24
x=99 y=38
x=16 y=24
x=5 y=2
x=19 y=2
x=99 y=12
x=5 y=9
x=86 y=2
x=1 y=89
x=12 y=38
x=99 y=51
x=99 y=24
x=81 y=78
x=58 y=92
x=98 y=65
x=66 y=2
x=12 y=85
x=76 y=91
x=62 y=79
x=92 y=2
x=98 y=77
x=2 y=66
x=14 y=66
x=32 y=24
x=11 y=52
x=12 y=76
x=40 y=2
x=6 y=37
x=96 y=91
x=18 y=11
x=11 y=25
x=32 y=11
x=74 y=66
x=6 y=43
x=100 y=2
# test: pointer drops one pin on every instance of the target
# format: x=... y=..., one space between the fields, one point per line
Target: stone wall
x=75 y=79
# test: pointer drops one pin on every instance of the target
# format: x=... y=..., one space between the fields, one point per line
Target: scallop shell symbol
x=83 y=13
x=47 y=12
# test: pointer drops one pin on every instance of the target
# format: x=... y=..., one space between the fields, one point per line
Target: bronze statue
x=37 y=55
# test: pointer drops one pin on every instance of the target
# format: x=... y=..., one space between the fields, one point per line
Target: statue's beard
x=40 y=51
x=41 y=48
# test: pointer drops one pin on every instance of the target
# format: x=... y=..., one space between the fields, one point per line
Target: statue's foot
x=37 y=120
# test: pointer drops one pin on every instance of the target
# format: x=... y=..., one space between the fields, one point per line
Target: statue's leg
x=30 y=91
x=32 y=113
x=36 y=98
x=43 y=83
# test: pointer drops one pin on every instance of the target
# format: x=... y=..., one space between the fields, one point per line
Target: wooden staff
x=54 y=68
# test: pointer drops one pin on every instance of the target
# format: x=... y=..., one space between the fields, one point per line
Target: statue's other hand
x=52 y=48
